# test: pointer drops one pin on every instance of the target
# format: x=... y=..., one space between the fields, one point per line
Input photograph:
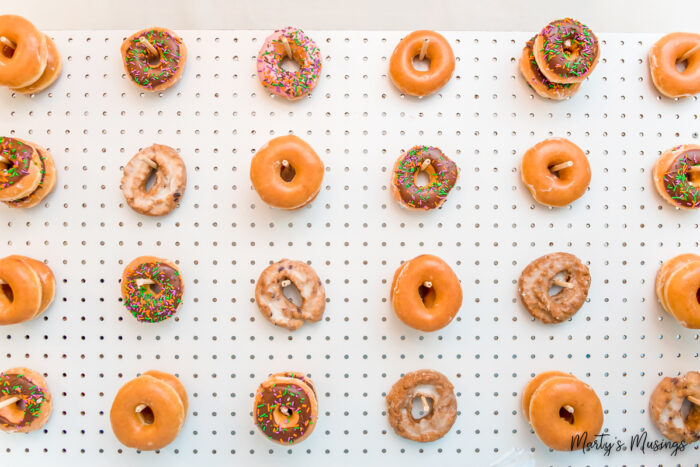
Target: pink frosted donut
x=293 y=43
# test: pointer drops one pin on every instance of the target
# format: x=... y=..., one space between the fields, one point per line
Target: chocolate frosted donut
x=566 y=51
x=33 y=406
x=154 y=71
x=20 y=172
x=152 y=289
x=676 y=178
x=442 y=171
x=539 y=82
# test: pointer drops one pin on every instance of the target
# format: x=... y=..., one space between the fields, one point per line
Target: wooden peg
x=560 y=283
x=9 y=401
x=8 y=42
x=2 y=282
x=151 y=50
x=688 y=54
x=693 y=169
x=150 y=162
x=426 y=406
x=427 y=284
x=142 y=282
x=569 y=409
x=286 y=283
x=694 y=400
x=5 y=160
x=424 y=49
x=563 y=165
x=285 y=163
x=288 y=49
x=140 y=408
x=425 y=164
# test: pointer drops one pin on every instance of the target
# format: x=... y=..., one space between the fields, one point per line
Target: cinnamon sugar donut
x=663 y=57
x=23 y=65
x=676 y=176
x=677 y=418
x=33 y=402
x=560 y=186
x=154 y=58
x=438 y=393
x=51 y=72
x=421 y=83
x=538 y=82
x=20 y=169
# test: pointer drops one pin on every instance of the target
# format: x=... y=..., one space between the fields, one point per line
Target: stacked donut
x=27 y=289
x=27 y=173
x=678 y=288
x=556 y=61
x=29 y=59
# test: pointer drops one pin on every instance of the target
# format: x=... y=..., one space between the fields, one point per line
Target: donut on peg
x=51 y=72
x=439 y=406
x=538 y=82
x=152 y=289
x=566 y=51
x=286 y=408
x=676 y=176
x=674 y=407
x=442 y=173
x=27 y=289
x=664 y=57
x=154 y=58
x=23 y=54
x=149 y=411
x=294 y=44
x=163 y=163
x=20 y=169
x=421 y=44
x=678 y=289
x=25 y=401
x=46 y=184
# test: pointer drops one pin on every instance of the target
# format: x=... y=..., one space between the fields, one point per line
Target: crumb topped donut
x=25 y=399
x=663 y=58
x=421 y=44
x=566 y=51
x=154 y=58
x=442 y=173
x=152 y=289
x=676 y=176
x=674 y=407
x=539 y=82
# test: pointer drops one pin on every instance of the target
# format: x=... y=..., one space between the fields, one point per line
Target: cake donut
x=556 y=172
x=149 y=411
x=538 y=82
x=439 y=406
x=678 y=289
x=540 y=276
x=566 y=51
x=286 y=408
x=663 y=57
x=154 y=58
x=24 y=63
x=51 y=72
x=443 y=175
x=25 y=401
x=294 y=44
x=169 y=184
x=276 y=307
x=668 y=404
x=286 y=172
x=152 y=289
x=421 y=44
x=562 y=409
x=20 y=169
x=676 y=176
x=46 y=184
x=425 y=293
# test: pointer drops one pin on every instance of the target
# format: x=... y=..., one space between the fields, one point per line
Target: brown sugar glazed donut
x=674 y=407
x=418 y=83
x=664 y=57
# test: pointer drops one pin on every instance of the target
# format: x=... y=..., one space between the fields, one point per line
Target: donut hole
x=6 y=291
x=555 y=289
x=690 y=412
x=421 y=65
x=697 y=296
x=290 y=65
x=570 y=49
x=681 y=65
x=422 y=178
x=8 y=51
x=146 y=415
x=566 y=415
x=153 y=59
x=287 y=172
x=694 y=178
x=150 y=180
x=418 y=410
x=14 y=413
x=292 y=294
x=285 y=417
x=427 y=295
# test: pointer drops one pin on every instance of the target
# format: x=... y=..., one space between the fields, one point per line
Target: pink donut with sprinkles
x=294 y=44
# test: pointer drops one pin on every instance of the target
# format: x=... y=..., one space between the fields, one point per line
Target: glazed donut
x=663 y=57
x=681 y=293
x=47 y=281
x=168 y=187
x=294 y=44
x=439 y=406
x=540 y=276
x=149 y=411
x=154 y=58
x=51 y=72
x=25 y=64
x=538 y=82
x=32 y=407
x=286 y=408
x=668 y=267
x=563 y=409
x=421 y=83
x=25 y=300
x=556 y=172
x=20 y=172
x=277 y=308
x=286 y=172
x=667 y=406
x=443 y=175
x=425 y=293
x=676 y=177
x=46 y=183
x=534 y=384
x=566 y=51
x=152 y=288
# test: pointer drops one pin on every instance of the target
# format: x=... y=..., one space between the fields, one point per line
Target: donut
x=439 y=406
x=286 y=172
x=566 y=51
x=46 y=183
x=149 y=411
x=21 y=295
x=152 y=289
x=47 y=281
x=20 y=169
x=533 y=385
x=538 y=82
x=564 y=411
x=556 y=172
x=32 y=401
x=24 y=64
x=154 y=58
x=286 y=408
x=276 y=307
x=163 y=163
x=425 y=293
x=676 y=176
x=668 y=267
x=671 y=411
x=443 y=175
x=428 y=44
x=663 y=57
x=289 y=43
x=51 y=72
x=681 y=293
x=541 y=275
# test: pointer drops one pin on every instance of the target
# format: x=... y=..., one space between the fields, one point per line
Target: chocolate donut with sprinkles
x=538 y=82
x=152 y=288
x=289 y=43
x=676 y=176
x=566 y=51
x=286 y=408
x=442 y=173
x=154 y=58
x=25 y=401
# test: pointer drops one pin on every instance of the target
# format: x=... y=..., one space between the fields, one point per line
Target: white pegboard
x=94 y=120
